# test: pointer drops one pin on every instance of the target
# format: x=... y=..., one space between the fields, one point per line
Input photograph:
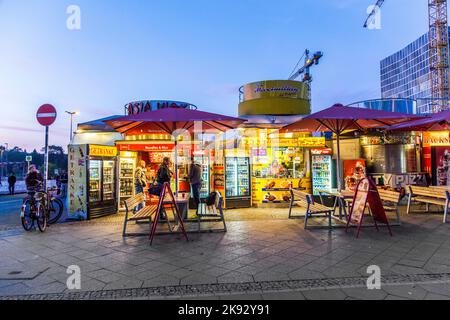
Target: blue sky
x=199 y=51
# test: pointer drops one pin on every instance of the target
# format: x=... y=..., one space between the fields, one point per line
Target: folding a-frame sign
x=167 y=198
x=367 y=192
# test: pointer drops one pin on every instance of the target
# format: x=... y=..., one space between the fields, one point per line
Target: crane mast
x=438 y=49
x=439 y=54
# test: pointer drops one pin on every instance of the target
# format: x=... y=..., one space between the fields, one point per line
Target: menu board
x=77 y=182
x=360 y=201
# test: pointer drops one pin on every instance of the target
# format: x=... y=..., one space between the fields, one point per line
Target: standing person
x=34 y=179
x=140 y=181
x=195 y=179
x=64 y=180
x=12 y=183
x=164 y=173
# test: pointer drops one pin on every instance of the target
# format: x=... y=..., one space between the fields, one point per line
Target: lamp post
x=6 y=154
x=71 y=113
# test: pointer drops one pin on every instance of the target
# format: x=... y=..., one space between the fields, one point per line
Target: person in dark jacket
x=12 y=183
x=164 y=173
x=195 y=179
x=34 y=179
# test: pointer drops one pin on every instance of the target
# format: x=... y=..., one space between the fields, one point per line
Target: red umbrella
x=170 y=120
x=436 y=122
x=338 y=119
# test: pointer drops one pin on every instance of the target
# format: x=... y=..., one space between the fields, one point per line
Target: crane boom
x=376 y=7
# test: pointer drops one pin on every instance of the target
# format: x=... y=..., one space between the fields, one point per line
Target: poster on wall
x=77 y=182
x=443 y=166
x=354 y=171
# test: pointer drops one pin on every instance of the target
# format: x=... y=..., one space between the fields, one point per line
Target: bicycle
x=39 y=206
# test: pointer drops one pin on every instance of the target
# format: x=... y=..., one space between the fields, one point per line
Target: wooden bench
x=144 y=214
x=391 y=201
x=212 y=213
x=312 y=208
x=429 y=196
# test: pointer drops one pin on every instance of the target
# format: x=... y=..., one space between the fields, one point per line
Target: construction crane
x=309 y=62
x=439 y=51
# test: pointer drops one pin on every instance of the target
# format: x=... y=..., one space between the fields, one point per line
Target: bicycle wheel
x=56 y=209
x=27 y=215
x=41 y=217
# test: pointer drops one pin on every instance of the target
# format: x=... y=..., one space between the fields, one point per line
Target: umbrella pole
x=338 y=164
x=176 y=166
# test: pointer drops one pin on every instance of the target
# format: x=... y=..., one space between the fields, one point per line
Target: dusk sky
x=198 y=51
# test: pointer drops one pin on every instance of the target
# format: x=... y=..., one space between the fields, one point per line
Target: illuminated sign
x=276 y=88
x=321 y=152
x=146 y=106
x=438 y=138
x=147 y=147
x=311 y=142
x=102 y=151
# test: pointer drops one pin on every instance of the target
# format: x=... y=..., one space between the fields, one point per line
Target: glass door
x=204 y=161
x=321 y=173
x=231 y=177
x=108 y=180
x=243 y=177
x=95 y=181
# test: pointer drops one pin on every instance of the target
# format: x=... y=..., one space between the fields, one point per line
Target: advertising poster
x=354 y=171
x=77 y=182
x=443 y=166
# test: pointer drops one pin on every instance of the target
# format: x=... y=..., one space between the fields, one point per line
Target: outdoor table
x=340 y=198
x=182 y=201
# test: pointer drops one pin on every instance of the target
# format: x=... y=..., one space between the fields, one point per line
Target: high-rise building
x=406 y=74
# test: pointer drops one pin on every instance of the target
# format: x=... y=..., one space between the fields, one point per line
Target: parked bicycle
x=42 y=207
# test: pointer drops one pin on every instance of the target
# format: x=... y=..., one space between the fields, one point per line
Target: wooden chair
x=312 y=208
x=429 y=196
x=212 y=214
x=143 y=214
x=391 y=201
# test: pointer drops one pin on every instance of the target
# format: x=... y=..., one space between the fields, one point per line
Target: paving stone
x=290 y=295
x=364 y=293
x=334 y=294
x=408 y=292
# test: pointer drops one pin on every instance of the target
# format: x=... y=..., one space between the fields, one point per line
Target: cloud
x=22 y=129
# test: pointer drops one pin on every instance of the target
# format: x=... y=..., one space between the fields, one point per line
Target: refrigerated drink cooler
x=102 y=199
x=92 y=181
x=323 y=170
x=237 y=183
x=204 y=161
x=126 y=181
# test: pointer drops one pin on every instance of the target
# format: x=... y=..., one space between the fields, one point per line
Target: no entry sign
x=46 y=115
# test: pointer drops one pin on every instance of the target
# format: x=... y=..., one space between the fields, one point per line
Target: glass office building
x=393 y=105
x=406 y=74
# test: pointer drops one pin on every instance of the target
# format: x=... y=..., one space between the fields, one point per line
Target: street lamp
x=71 y=113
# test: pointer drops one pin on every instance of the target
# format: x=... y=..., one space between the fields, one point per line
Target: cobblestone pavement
x=263 y=256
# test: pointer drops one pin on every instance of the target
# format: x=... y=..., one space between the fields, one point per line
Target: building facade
x=406 y=74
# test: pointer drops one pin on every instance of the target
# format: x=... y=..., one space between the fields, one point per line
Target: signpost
x=367 y=193
x=28 y=159
x=46 y=116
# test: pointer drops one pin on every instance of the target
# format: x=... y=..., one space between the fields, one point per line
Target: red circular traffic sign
x=46 y=115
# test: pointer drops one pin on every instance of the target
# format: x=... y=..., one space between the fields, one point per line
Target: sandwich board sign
x=367 y=193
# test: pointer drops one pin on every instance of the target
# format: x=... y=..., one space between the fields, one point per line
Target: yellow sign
x=438 y=138
x=276 y=89
x=102 y=151
x=312 y=142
